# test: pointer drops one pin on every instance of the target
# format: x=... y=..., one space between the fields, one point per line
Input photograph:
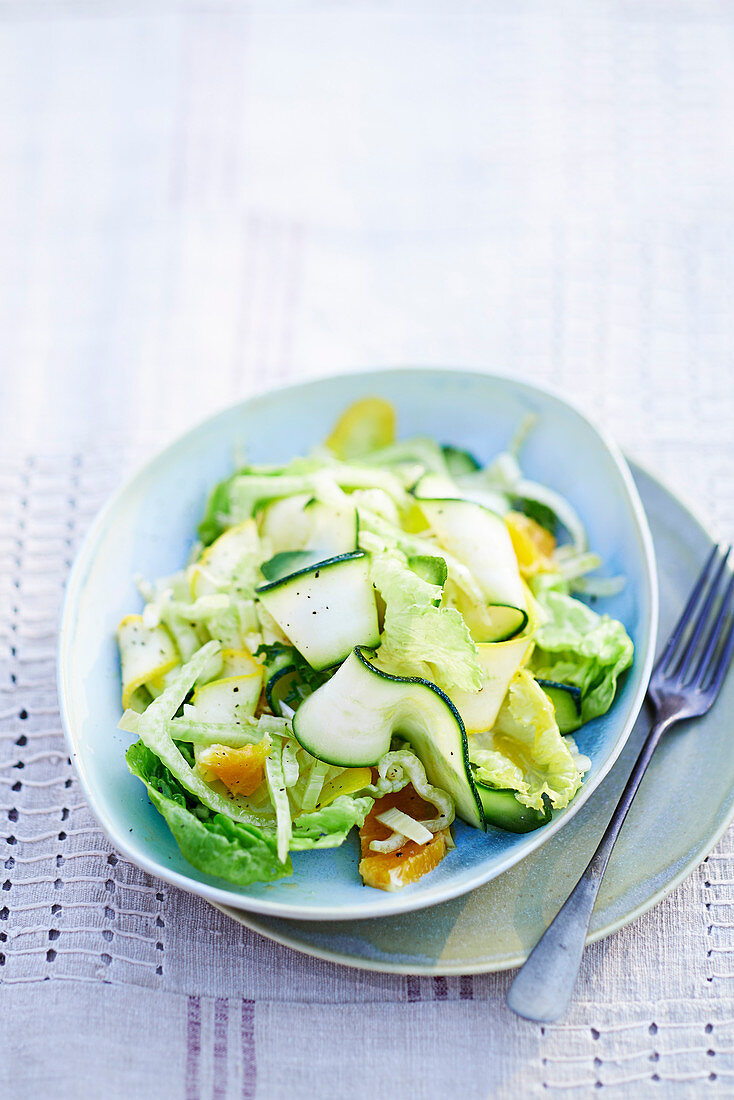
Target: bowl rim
x=385 y=905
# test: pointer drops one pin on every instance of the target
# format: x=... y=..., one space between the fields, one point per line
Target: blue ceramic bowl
x=149 y=526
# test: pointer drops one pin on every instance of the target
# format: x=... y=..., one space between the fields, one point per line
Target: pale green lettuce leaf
x=227 y=619
x=575 y=645
x=525 y=752
x=419 y=638
x=211 y=842
x=328 y=827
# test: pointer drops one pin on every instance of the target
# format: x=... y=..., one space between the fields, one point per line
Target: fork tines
x=700 y=647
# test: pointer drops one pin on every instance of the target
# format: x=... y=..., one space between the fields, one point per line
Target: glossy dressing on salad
x=382 y=635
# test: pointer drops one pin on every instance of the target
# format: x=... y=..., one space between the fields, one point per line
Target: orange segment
x=393 y=870
x=241 y=770
x=533 y=545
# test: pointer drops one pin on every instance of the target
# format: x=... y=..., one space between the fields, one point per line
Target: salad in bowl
x=383 y=635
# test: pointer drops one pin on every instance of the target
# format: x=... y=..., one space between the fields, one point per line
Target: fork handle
x=543 y=986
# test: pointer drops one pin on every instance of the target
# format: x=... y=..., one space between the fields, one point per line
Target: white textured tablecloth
x=201 y=198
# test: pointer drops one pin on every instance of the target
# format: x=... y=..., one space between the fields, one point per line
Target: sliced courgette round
x=280 y=687
x=502 y=809
x=147 y=654
x=350 y=721
x=326 y=609
x=480 y=540
x=433 y=486
x=287 y=685
x=566 y=700
x=459 y=461
x=303 y=525
x=287 y=562
x=228 y=699
x=488 y=622
x=504 y=622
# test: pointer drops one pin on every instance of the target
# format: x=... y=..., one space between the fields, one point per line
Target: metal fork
x=684 y=684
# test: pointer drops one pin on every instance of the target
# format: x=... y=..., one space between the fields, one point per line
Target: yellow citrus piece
x=353 y=779
x=218 y=562
x=533 y=545
x=393 y=870
x=239 y=662
x=365 y=426
x=241 y=770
